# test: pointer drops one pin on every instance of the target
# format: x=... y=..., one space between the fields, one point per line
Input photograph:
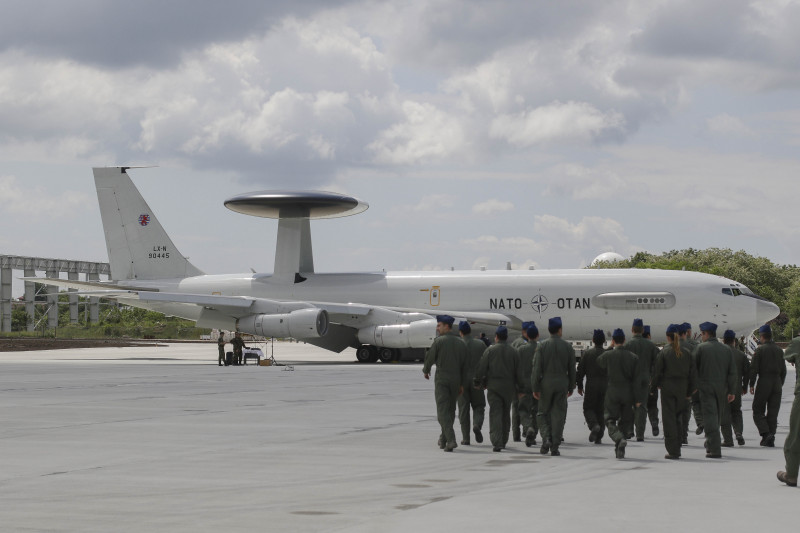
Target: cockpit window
x=732 y=292
x=727 y=291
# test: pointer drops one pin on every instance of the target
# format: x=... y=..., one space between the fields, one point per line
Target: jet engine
x=418 y=334
x=300 y=324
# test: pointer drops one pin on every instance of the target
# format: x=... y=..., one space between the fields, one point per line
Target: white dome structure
x=609 y=257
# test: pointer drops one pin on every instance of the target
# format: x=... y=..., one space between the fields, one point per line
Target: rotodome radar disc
x=296 y=204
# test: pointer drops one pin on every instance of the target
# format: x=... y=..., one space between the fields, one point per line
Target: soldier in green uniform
x=449 y=353
x=497 y=372
x=716 y=383
x=686 y=415
x=221 y=348
x=674 y=375
x=516 y=418
x=742 y=366
x=696 y=408
x=620 y=364
x=769 y=368
x=238 y=343
x=552 y=381
x=527 y=404
x=596 y=383
x=652 y=399
x=791 y=446
x=471 y=398
x=646 y=353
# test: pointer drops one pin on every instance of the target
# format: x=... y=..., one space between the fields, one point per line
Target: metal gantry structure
x=52 y=269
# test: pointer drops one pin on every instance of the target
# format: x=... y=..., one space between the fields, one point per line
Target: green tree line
x=778 y=283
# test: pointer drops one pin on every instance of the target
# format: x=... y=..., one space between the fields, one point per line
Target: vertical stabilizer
x=138 y=246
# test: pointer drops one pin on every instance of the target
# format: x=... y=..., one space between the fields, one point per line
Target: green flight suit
x=528 y=405
x=693 y=404
x=449 y=353
x=238 y=344
x=594 y=393
x=516 y=419
x=621 y=367
x=646 y=352
x=471 y=398
x=497 y=371
x=791 y=447
x=769 y=368
x=553 y=377
x=716 y=379
x=675 y=376
x=742 y=366
x=221 y=348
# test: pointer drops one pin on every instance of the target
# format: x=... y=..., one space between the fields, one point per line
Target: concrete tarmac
x=162 y=439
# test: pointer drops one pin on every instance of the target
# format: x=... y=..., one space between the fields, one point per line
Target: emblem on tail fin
x=144 y=219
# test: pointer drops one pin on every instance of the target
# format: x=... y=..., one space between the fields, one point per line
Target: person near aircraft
x=596 y=383
x=696 y=408
x=527 y=404
x=518 y=343
x=690 y=345
x=646 y=353
x=769 y=369
x=742 y=366
x=620 y=399
x=238 y=343
x=674 y=376
x=716 y=377
x=652 y=398
x=449 y=353
x=221 y=348
x=497 y=373
x=471 y=398
x=553 y=381
x=791 y=446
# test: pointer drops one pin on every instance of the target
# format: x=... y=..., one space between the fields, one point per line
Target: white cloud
x=492 y=207
x=726 y=124
x=22 y=200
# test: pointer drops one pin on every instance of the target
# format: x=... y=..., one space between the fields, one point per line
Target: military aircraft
x=380 y=314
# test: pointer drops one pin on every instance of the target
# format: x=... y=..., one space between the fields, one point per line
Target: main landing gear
x=370 y=354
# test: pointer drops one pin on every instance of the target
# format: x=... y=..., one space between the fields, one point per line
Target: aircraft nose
x=766 y=311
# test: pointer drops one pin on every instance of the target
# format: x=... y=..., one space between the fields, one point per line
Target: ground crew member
x=652 y=398
x=528 y=406
x=471 y=397
x=238 y=344
x=716 y=384
x=596 y=382
x=675 y=376
x=620 y=364
x=742 y=366
x=449 y=354
x=221 y=347
x=769 y=368
x=497 y=372
x=516 y=420
x=552 y=382
x=646 y=353
x=791 y=446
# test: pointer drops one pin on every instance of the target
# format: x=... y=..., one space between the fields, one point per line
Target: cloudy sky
x=537 y=132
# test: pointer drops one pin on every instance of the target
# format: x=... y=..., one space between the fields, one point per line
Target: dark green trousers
x=767 y=403
x=791 y=447
x=552 y=413
x=713 y=397
x=673 y=404
x=474 y=399
x=446 y=394
x=500 y=415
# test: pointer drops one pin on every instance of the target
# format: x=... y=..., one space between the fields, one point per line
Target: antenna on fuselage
x=294 y=211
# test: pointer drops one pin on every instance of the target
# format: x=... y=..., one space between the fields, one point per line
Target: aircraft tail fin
x=138 y=246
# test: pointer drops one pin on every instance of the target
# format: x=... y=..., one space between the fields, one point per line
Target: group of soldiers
x=620 y=386
x=238 y=344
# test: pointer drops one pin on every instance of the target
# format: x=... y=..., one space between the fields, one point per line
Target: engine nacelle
x=418 y=334
x=300 y=324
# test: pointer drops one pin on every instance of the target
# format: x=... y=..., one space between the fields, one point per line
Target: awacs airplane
x=380 y=314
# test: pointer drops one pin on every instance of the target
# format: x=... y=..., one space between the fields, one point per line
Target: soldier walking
x=471 y=398
x=596 y=383
x=652 y=399
x=741 y=364
x=497 y=372
x=769 y=368
x=715 y=384
x=449 y=354
x=552 y=381
x=516 y=418
x=646 y=353
x=620 y=364
x=674 y=375
x=791 y=447
x=527 y=404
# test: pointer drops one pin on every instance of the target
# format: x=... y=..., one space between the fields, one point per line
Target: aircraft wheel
x=366 y=354
x=386 y=355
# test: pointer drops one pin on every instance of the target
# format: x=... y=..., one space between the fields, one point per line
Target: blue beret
x=526 y=325
x=729 y=334
x=638 y=322
x=464 y=327
x=501 y=330
x=709 y=327
x=647 y=330
x=617 y=333
x=765 y=329
x=681 y=328
x=554 y=322
x=445 y=319
x=599 y=336
x=532 y=331
x=687 y=326
x=673 y=328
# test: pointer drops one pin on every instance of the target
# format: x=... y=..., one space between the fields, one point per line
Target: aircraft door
x=435 y=295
